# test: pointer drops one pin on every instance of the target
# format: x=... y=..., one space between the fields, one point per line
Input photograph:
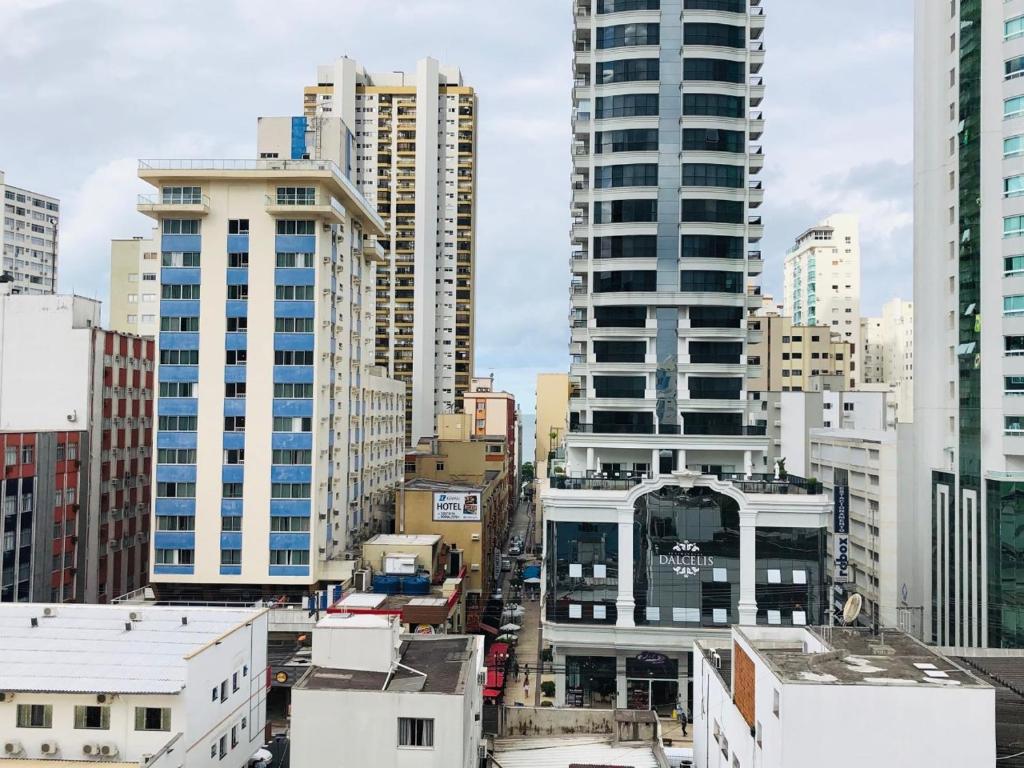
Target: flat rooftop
x=445 y=662
x=89 y=649
x=426 y=484
x=854 y=656
x=571 y=751
x=409 y=540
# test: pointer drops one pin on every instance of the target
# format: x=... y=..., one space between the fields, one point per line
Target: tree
x=527 y=471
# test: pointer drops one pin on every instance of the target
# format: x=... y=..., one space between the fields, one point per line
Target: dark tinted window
x=626 y=247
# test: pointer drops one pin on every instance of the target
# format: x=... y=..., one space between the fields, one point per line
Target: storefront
x=590 y=682
x=652 y=682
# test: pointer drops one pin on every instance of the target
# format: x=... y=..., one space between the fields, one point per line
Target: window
x=627 y=105
x=291 y=456
x=182 y=195
x=176 y=388
x=293 y=324
x=234 y=687
x=293 y=357
x=627 y=71
x=617 y=6
x=775 y=703
x=238 y=292
x=289 y=557
x=1013 y=305
x=289 y=490
x=293 y=391
x=238 y=227
x=179 y=259
x=222 y=747
x=234 y=389
x=712 y=175
x=92 y=717
x=290 y=260
x=710 y=280
x=295 y=227
x=1013 y=186
x=180 y=226
x=234 y=423
x=27 y=454
x=296 y=195
x=1013 y=265
x=289 y=524
x=1013 y=425
x=718 y=70
x=237 y=324
x=231 y=490
x=415 y=732
x=625 y=211
x=236 y=356
x=638 y=175
x=293 y=292
x=1013 y=107
x=176 y=490
x=630 y=140
x=234 y=456
x=177 y=324
x=179 y=356
x=176 y=456
x=1013 y=27
x=711 y=247
x=175 y=523
x=622 y=35
x=35 y=716
x=231 y=523
x=713 y=140
x=293 y=424
x=716 y=211
x=713 y=104
x=725 y=35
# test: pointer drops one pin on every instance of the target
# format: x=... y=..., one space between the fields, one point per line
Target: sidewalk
x=529 y=645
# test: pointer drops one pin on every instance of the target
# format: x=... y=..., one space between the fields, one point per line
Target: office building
x=29 y=240
x=875 y=466
x=785 y=357
x=163 y=687
x=898 y=350
x=552 y=419
x=76 y=421
x=412 y=154
x=773 y=697
x=265 y=418
x=134 y=286
x=407 y=699
x=969 y=320
x=872 y=357
x=822 y=278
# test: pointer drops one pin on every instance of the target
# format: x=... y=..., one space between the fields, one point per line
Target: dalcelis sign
x=686 y=559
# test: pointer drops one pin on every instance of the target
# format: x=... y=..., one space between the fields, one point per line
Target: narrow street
x=529 y=648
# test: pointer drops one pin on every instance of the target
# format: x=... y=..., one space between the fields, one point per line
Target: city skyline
x=204 y=104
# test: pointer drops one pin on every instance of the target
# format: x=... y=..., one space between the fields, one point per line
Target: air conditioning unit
x=104 y=698
x=108 y=750
x=364 y=580
x=49 y=612
x=135 y=616
x=49 y=747
x=13 y=748
x=91 y=749
x=6 y=697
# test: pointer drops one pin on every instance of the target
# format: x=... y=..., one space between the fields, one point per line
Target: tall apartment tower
x=29 y=239
x=969 y=319
x=663 y=200
x=270 y=413
x=413 y=156
x=822 y=279
x=135 y=286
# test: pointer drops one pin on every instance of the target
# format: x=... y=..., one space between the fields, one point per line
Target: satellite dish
x=852 y=608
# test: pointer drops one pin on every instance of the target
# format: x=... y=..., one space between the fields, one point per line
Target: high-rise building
x=29 y=239
x=412 y=153
x=552 y=420
x=969 y=320
x=898 y=351
x=268 y=419
x=659 y=532
x=822 y=279
x=134 y=286
x=76 y=421
x=872 y=351
x=786 y=357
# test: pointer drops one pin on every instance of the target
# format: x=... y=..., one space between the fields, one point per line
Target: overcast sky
x=89 y=86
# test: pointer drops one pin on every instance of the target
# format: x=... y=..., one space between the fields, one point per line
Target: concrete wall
x=552 y=415
x=554 y=721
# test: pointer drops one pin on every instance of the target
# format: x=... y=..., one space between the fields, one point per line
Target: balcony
x=756 y=125
x=755 y=158
x=596 y=483
x=726 y=430
x=304 y=207
x=765 y=483
x=756 y=86
x=755 y=193
x=756 y=56
x=158 y=205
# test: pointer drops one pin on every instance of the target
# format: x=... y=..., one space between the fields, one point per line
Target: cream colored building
x=412 y=153
x=785 y=357
x=135 y=286
x=29 y=239
x=552 y=418
x=272 y=422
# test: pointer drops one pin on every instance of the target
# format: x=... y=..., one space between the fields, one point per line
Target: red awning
x=498 y=649
x=491 y=693
x=488 y=629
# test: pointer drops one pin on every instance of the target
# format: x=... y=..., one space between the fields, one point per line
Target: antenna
x=851 y=610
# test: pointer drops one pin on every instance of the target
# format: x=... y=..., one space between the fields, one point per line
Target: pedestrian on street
x=526 y=671
x=515 y=669
x=526 y=691
x=681 y=713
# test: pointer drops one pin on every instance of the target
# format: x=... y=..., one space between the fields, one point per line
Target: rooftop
x=572 y=752
x=444 y=660
x=854 y=656
x=89 y=648
x=425 y=484
x=409 y=540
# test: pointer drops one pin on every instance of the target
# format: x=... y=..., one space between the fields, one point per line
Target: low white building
x=132 y=685
x=375 y=697
x=800 y=698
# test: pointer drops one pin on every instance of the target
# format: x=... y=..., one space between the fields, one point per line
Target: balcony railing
x=595 y=483
x=766 y=483
x=726 y=430
x=166 y=199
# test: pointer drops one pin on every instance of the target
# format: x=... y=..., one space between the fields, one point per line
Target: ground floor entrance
x=643 y=680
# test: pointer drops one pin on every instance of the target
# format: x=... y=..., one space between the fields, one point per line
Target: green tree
x=527 y=471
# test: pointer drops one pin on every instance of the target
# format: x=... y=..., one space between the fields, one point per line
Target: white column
x=558 y=658
x=748 y=600
x=590 y=459
x=624 y=603
x=748 y=463
x=655 y=463
x=680 y=461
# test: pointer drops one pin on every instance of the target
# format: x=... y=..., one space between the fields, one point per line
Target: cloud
x=95 y=84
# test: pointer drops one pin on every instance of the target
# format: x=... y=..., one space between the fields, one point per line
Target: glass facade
x=790 y=586
x=1005 y=501
x=582 y=573
x=686 y=558
x=590 y=681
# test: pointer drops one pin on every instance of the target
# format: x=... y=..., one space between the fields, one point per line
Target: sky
x=88 y=87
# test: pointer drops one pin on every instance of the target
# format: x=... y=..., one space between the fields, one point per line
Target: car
x=515 y=549
x=506 y=564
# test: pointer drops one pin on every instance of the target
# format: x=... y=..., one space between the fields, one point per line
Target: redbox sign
x=841 y=533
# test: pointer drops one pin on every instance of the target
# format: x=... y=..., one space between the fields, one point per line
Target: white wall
x=45 y=357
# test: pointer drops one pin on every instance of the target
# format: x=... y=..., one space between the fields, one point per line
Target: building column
x=624 y=603
x=620 y=680
x=590 y=459
x=748 y=464
x=748 y=544
x=655 y=463
x=680 y=461
x=558 y=659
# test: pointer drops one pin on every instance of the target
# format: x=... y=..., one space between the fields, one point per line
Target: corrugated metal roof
x=564 y=751
x=87 y=648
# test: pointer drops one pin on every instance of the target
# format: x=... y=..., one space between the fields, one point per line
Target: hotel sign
x=457 y=507
x=841 y=533
x=686 y=559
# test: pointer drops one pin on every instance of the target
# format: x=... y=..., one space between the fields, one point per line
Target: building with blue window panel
x=252 y=486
